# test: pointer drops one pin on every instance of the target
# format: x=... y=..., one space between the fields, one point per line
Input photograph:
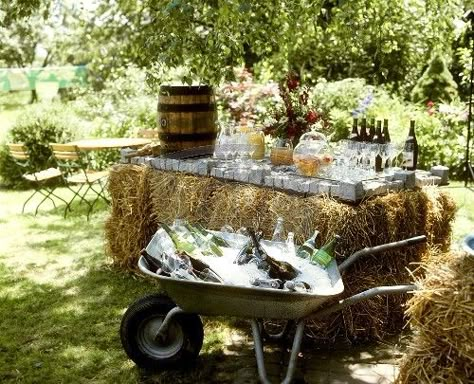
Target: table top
x=109 y=143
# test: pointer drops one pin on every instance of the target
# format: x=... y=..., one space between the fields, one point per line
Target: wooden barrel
x=186 y=117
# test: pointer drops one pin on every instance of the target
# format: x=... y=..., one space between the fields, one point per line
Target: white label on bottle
x=408 y=159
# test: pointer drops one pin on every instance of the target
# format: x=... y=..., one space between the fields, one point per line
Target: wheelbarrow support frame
x=365 y=295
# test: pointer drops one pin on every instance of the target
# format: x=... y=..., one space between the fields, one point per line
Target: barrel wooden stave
x=186 y=117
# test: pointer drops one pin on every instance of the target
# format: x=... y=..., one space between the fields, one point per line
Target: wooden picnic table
x=109 y=143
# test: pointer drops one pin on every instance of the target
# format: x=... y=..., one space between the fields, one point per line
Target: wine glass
x=384 y=154
x=398 y=149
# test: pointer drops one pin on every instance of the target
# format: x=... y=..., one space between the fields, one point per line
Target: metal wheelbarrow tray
x=161 y=333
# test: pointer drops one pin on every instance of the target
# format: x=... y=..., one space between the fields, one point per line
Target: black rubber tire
x=141 y=321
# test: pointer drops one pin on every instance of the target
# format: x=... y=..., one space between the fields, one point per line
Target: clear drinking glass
x=384 y=154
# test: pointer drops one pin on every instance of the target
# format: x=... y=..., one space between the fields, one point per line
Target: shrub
x=121 y=109
x=436 y=83
x=245 y=100
x=40 y=125
x=440 y=133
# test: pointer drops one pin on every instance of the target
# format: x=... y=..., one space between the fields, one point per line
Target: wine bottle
x=386 y=134
x=278 y=232
x=410 y=151
x=378 y=139
x=154 y=265
x=245 y=254
x=181 y=244
x=354 y=136
x=308 y=247
x=276 y=269
x=371 y=130
x=205 y=242
x=219 y=241
x=325 y=254
x=363 y=136
x=197 y=268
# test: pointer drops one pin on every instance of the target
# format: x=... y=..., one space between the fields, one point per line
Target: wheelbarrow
x=160 y=332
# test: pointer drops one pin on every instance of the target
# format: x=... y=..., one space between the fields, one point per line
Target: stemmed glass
x=398 y=149
x=384 y=153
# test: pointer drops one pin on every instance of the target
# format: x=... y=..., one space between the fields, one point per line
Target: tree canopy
x=383 y=42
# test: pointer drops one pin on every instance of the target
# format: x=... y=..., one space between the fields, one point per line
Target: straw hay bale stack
x=129 y=226
x=143 y=197
x=442 y=316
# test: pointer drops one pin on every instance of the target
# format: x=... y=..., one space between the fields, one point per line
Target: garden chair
x=44 y=181
x=75 y=168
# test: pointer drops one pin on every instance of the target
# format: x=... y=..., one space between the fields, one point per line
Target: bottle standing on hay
x=279 y=231
x=371 y=130
x=378 y=139
x=308 y=247
x=354 y=136
x=324 y=255
x=363 y=135
x=410 y=151
x=276 y=269
x=386 y=133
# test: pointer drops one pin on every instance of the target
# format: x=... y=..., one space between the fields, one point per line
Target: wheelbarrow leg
x=295 y=350
x=257 y=341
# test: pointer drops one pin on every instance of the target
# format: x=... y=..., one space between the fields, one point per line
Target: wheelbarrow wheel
x=139 y=328
x=276 y=330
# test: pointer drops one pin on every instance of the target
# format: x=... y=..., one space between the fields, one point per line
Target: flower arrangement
x=296 y=116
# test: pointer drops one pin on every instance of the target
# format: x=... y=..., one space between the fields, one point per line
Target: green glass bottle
x=205 y=243
x=325 y=254
x=219 y=241
x=181 y=244
x=308 y=247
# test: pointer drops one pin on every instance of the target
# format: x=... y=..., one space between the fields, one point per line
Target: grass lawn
x=464 y=223
x=61 y=303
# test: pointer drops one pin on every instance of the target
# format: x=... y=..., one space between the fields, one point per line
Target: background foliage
x=360 y=57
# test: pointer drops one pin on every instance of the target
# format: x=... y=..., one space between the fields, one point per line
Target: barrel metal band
x=203 y=107
x=185 y=90
x=176 y=137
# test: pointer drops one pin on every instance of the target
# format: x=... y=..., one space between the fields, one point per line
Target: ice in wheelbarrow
x=210 y=267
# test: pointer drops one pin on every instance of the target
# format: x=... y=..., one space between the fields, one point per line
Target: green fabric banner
x=27 y=79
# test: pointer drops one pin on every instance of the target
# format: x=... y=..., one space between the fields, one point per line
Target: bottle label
x=408 y=159
x=322 y=257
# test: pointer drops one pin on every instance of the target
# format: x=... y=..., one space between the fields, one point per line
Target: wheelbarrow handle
x=380 y=248
x=364 y=295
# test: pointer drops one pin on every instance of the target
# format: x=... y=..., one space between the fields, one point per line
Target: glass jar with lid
x=311 y=154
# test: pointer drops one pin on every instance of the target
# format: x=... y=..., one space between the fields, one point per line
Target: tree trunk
x=34 y=96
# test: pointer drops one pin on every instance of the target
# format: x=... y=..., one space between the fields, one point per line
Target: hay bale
x=129 y=227
x=442 y=316
x=375 y=221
